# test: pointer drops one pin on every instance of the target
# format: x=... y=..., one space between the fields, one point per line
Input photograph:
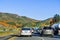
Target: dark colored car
x=59 y=31
x=47 y=31
x=36 y=32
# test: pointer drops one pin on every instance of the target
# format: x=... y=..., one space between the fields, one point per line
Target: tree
x=51 y=22
x=56 y=18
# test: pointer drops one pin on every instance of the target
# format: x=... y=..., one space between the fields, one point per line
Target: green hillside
x=14 y=19
x=22 y=21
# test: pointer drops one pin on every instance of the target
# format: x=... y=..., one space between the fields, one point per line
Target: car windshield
x=26 y=29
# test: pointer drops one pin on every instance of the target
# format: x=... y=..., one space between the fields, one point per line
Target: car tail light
x=20 y=30
x=58 y=30
x=30 y=30
x=43 y=30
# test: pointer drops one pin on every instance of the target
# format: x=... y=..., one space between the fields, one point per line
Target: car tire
x=52 y=35
x=30 y=36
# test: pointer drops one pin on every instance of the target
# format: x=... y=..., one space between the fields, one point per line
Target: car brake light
x=30 y=30
x=58 y=30
x=20 y=30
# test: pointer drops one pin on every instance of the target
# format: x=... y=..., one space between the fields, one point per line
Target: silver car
x=47 y=31
x=26 y=32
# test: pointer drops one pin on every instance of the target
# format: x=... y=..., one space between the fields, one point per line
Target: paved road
x=6 y=37
x=29 y=38
x=35 y=38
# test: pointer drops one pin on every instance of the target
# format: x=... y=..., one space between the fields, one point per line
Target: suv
x=47 y=31
x=26 y=32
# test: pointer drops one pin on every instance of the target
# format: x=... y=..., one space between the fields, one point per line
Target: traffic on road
x=44 y=31
x=36 y=33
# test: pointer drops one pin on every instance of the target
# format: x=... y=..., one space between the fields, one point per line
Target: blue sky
x=36 y=9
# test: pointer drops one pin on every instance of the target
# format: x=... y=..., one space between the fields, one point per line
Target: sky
x=36 y=9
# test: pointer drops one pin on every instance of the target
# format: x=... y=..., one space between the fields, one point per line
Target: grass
x=9 y=32
x=5 y=33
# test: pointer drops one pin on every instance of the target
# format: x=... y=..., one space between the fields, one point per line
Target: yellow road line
x=11 y=38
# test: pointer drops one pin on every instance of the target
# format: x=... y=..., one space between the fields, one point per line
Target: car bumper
x=59 y=33
x=26 y=33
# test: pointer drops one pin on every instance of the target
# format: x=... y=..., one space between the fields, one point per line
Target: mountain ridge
x=7 y=17
x=21 y=21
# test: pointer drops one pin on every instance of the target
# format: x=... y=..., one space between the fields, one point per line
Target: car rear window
x=47 y=28
x=26 y=29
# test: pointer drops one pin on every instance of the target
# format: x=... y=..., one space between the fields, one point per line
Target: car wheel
x=51 y=35
x=30 y=35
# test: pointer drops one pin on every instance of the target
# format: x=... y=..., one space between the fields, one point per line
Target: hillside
x=16 y=20
x=13 y=20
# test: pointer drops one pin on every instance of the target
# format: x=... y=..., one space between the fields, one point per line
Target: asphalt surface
x=29 y=38
x=36 y=38
x=6 y=37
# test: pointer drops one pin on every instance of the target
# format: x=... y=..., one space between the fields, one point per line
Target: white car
x=26 y=32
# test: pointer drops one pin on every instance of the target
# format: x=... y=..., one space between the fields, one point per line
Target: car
x=36 y=32
x=26 y=32
x=59 y=31
x=56 y=28
x=47 y=31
